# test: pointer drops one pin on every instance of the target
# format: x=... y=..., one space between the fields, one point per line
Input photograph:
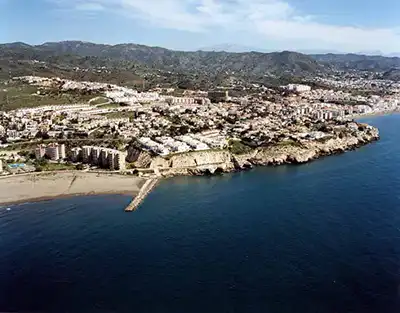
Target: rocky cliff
x=194 y=163
x=306 y=150
x=284 y=152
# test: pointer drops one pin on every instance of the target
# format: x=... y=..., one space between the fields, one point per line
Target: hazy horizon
x=227 y=47
x=272 y=25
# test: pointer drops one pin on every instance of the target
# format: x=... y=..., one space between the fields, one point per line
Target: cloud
x=89 y=6
x=275 y=20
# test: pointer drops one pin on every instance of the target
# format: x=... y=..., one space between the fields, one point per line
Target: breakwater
x=143 y=192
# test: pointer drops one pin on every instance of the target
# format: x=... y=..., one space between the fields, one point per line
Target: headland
x=332 y=139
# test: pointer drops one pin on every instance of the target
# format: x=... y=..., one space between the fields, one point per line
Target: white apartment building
x=40 y=151
x=103 y=157
x=53 y=151
x=180 y=100
x=76 y=154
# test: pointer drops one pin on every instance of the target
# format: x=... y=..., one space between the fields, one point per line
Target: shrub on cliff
x=238 y=147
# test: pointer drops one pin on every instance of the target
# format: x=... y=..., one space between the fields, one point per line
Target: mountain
x=232 y=48
x=392 y=74
x=360 y=62
x=318 y=51
x=371 y=52
x=394 y=54
x=248 y=64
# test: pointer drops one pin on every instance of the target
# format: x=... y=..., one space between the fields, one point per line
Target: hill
x=140 y=65
x=141 y=59
x=360 y=62
x=392 y=74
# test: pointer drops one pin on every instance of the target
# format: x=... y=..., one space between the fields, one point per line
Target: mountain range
x=134 y=61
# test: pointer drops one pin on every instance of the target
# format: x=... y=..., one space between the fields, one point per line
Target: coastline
x=289 y=152
x=34 y=188
x=373 y=114
x=50 y=185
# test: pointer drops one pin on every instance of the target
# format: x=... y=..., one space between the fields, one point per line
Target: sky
x=323 y=25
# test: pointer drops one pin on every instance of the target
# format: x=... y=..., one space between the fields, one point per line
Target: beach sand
x=373 y=114
x=35 y=187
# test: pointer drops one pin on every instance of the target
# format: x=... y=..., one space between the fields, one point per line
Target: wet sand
x=36 y=187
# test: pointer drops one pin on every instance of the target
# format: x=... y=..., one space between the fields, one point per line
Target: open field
x=18 y=95
x=108 y=106
x=31 y=187
x=120 y=114
x=57 y=167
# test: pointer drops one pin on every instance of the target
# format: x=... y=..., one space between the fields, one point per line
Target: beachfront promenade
x=143 y=192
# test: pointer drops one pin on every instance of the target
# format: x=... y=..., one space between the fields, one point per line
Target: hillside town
x=164 y=124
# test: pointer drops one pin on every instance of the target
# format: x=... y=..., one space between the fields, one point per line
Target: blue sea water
x=320 y=237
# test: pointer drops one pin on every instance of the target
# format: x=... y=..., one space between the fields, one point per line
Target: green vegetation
x=143 y=67
x=109 y=106
x=44 y=165
x=238 y=147
x=121 y=114
x=130 y=166
x=99 y=100
x=54 y=167
x=17 y=95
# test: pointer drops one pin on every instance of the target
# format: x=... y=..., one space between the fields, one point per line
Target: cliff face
x=197 y=162
x=305 y=151
x=201 y=158
x=139 y=157
x=284 y=152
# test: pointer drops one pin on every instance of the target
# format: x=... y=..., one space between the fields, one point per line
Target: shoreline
x=67 y=196
x=37 y=188
x=51 y=185
x=373 y=114
x=139 y=183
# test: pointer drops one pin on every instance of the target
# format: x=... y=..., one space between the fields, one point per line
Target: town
x=107 y=132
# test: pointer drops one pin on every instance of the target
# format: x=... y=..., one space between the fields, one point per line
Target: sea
x=322 y=237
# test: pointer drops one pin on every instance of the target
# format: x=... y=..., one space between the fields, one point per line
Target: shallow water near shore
x=320 y=237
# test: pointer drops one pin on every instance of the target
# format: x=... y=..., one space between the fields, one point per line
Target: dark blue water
x=321 y=237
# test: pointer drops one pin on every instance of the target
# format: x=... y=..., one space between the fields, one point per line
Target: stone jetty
x=144 y=191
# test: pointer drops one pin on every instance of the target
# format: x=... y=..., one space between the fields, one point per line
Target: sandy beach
x=373 y=114
x=35 y=187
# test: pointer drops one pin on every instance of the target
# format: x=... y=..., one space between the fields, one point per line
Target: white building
x=76 y=154
x=174 y=145
x=53 y=151
x=40 y=151
x=153 y=146
x=193 y=143
x=298 y=88
x=103 y=157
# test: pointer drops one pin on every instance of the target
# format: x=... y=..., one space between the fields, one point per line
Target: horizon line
x=209 y=48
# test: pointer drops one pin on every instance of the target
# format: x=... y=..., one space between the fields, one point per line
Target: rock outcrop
x=307 y=150
x=210 y=162
x=139 y=157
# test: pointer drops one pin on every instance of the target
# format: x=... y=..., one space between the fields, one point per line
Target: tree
x=41 y=162
x=43 y=135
